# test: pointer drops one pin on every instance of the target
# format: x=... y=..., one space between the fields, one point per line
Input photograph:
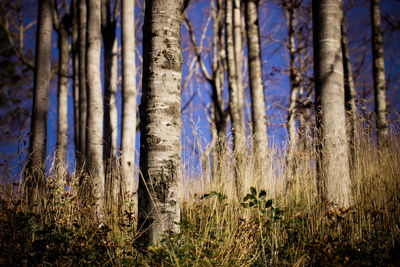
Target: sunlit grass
x=267 y=225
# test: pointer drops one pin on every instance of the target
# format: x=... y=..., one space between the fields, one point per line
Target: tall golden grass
x=285 y=226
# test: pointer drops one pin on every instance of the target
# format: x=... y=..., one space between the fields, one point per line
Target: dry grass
x=274 y=227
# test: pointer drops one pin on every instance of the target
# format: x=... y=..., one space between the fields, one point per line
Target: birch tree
x=349 y=89
x=82 y=21
x=333 y=162
x=108 y=29
x=128 y=132
x=62 y=27
x=75 y=70
x=294 y=77
x=94 y=133
x=160 y=119
x=238 y=131
x=41 y=87
x=379 y=73
x=257 y=91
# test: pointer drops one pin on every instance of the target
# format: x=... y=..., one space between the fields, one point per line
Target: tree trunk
x=63 y=87
x=260 y=137
x=379 y=74
x=349 y=90
x=38 y=133
x=160 y=119
x=75 y=67
x=238 y=132
x=128 y=134
x=290 y=10
x=333 y=162
x=108 y=28
x=82 y=11
x=238 y=50
x=94 y=131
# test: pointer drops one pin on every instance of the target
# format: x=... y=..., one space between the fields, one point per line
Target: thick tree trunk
x=63 y=87
x=261 y=154
x=94 y=131
x=108 y=28
x=38 y=133
x=379 y=74
x=75 y=67
x=238 y=131
x=333 y=162
x=290 y=10
x=349 y=90
x=82 y=11
x=160 y=119
x=129 y=93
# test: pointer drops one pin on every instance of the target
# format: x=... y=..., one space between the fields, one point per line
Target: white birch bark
x=160 y=119
x=333 y=162
x=261 y=153
x=349 y=90
x=62 y=108
x=75 y=67
x=379 y=73
x=94 y=131
x=238 y=50
x=82 y=21
x=110 y=66
x=294 y=78
x=41 y=87
x=238 y=132
x=129 y=106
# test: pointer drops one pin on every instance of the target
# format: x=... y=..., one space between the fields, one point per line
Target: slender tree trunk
x=108 y=28
x=219 y=115
x=349 y=91
x=82 y=11
x=38 y=134
x=379 y=74
x=290 y=10
x=261 y=154
x=333 y=162
x=238 y=51
x=239 y=138
x=63 y=87
x=94 y=145
x=160 y=119
x=75 y=67
x=128 y=134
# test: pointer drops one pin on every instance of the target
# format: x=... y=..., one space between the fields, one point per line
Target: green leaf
x=268 y=203
x=262 y=194
x=247 y=197
x=253 y=191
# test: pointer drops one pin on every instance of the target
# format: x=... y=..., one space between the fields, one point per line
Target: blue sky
x=275 y=61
